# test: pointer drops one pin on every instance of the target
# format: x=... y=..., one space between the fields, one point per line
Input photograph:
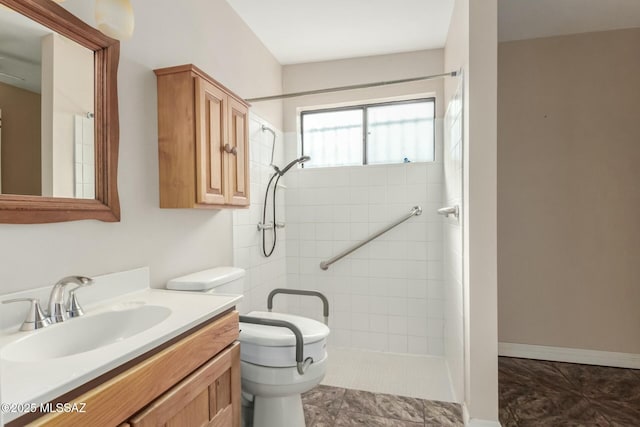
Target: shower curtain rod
x=360 y=86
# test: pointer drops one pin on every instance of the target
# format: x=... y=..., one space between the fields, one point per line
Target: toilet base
x=282 y=411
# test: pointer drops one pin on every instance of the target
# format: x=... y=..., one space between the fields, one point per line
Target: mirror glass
x=46 y=111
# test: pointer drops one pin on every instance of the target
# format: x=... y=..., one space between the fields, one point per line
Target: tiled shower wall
x=262 y=274
x=388 y=295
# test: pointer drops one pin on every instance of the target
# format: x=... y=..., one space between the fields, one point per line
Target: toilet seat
x=275 y=347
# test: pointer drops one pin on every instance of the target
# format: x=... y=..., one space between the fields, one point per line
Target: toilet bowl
x=272 y=382
x=269 y=369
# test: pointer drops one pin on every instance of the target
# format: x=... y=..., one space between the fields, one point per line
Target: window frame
x=364 y=108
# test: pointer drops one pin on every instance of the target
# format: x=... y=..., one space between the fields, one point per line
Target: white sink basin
x=85 y=333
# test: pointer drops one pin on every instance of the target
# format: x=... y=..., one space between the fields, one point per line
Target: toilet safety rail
x=301 y=363
x=415 y=211
x=325 y=301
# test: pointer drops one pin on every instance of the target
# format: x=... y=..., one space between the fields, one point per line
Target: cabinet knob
x=228 y=149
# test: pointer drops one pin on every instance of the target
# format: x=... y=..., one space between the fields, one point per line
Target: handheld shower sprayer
x=291 y=164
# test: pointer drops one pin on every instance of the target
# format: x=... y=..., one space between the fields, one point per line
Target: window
x=370 y=134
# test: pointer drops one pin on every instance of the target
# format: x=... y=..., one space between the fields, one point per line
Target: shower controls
x=450 y=210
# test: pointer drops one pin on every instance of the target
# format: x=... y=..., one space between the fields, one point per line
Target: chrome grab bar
x=301 y=363
x=325 y=301
x=415 y=211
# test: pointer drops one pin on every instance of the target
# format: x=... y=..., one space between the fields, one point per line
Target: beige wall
x=20 y=140
x=172 y=242
x=569 y=205
x=70 y=93
x=472 y=46
x=369 y=69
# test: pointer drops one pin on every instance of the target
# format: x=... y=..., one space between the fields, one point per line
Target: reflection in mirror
x=46 y=107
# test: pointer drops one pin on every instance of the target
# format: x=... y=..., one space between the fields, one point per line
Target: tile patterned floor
x=327 y=406
x=542 y=393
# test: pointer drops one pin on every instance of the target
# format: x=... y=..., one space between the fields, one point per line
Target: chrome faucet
x=57 y=312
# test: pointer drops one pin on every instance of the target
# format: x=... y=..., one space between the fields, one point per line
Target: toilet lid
x=273 y=336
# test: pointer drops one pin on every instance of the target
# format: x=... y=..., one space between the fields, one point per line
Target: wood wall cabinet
x=203 y=141
x=192 y=383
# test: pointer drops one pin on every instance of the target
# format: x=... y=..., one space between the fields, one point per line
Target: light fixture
x=115 y=18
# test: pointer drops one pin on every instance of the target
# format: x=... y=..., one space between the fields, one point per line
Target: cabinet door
x=208 y=397
x=238 y=162
x=211 y=110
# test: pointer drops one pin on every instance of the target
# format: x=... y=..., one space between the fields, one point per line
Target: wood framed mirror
x=103 y=204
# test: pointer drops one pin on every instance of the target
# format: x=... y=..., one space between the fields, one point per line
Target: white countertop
x=42 y=381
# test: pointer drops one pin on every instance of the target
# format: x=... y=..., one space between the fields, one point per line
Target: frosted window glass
x=399 y=131
x=333 y=138
x=394 y=132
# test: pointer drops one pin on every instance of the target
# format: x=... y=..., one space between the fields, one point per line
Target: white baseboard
x=474 y=422
x=571 y=355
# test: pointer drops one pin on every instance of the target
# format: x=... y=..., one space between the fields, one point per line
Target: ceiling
x=528 y=19
x=297 y=31
x=20 y=50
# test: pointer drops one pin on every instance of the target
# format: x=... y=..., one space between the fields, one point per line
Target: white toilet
x=270 y=374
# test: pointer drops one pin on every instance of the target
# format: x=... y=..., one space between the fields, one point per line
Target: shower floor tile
x=423 y=377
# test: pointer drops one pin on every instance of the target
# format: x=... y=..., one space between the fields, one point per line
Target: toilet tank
x=219 y=280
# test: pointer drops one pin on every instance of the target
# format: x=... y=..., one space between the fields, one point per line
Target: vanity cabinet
x=194 y=381
x=203 y=141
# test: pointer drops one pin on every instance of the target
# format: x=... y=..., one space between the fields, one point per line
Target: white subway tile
x=360 y=267
x=396 y=175
x=417 y=345
x=340 y=232
x=416 y=173
x=376 y=175
x=358 y=177
x=436 y=346
x=416 y=251
x=397 y=306
x=360 y=304
x=339 y=302
x=417 y=288
x=340 y=337
x=397 y=288
x=434 y=270
x=417 y=308
x=378 y=213
x=417 y=270
x=435 y=289
x=435 y=328
x=341 y=213
x=379 y=323
x=360 y=321
x=358 y=196
x=377 y=195
x=359 y=213
x=397 y=194
x=307 y=231
x=324 y=249
x=324 y=231
x=417 y=326
x=358 y=230
x=398 y=343
x=379 y=305
x=435 y=174
x=398 y=325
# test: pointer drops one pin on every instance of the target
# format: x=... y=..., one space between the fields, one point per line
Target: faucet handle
x=35 y=317
x=73 y=306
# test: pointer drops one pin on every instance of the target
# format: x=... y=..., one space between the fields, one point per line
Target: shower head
x=291 y=164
